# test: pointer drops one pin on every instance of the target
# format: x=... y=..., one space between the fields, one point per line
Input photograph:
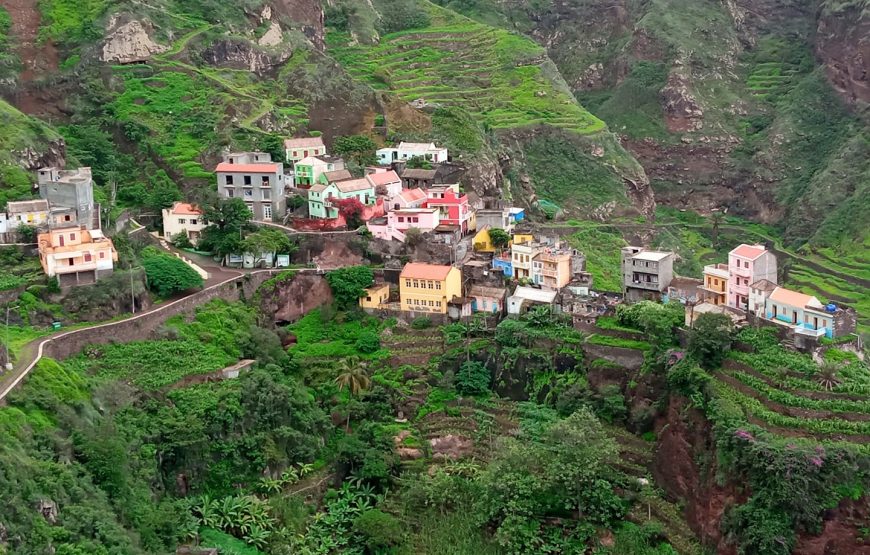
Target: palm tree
x=352 y=375
x=716 y=219
x=827 y=377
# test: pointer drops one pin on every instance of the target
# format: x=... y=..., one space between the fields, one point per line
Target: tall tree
x=716 y=219
x=268 y=241
x=358 y=148
x=352 y=376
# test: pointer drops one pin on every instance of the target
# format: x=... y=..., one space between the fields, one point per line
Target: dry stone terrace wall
x=631 y=359
x=140 y=327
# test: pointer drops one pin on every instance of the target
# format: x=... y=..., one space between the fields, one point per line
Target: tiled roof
x=311 y=161
x=383 y=178
x=317 y=188
x=414 y=173
x=417 y=146
x=303 y=142
x=266 y=167
x=185 y=209
x=793 y=298
x=764 y=285
x=353 y=185
x=425 y=271
x=412 y=195
x=337 y=175
x=16 y=207
x=749 y=251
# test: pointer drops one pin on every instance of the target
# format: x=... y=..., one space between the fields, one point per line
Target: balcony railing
x=809 y=331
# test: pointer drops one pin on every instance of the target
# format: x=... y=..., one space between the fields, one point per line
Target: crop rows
x=492 y=73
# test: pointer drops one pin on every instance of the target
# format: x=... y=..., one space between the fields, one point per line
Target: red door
x=61 y=239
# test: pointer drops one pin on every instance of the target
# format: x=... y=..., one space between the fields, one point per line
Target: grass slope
x=17 y=133
x=502 y=79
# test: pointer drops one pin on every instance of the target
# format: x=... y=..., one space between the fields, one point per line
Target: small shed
x=526 y=297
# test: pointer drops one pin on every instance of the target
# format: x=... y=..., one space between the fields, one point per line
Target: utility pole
x=8 y=364
x=132 y=294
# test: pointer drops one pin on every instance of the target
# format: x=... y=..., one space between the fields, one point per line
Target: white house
x=299 y=149
x=25 y=212
x=183 y=219
x=529 y=296
x=406 y=151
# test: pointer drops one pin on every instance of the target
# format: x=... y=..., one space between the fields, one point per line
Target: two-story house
x=452 y=206
x=396 y=223
x=714 y=287
x=646 y=274
x=386 y=182
x=70 y=196
x=409 y=198
x=428 y=287
x=746 y=265
x=308 y=171
x=254 y=178
x=522 y=255
x=301 y=148
x=76 y=255
x=322 y=198
x=552 y=268
x=806 y=315
x=406 y=151
x=183 y=218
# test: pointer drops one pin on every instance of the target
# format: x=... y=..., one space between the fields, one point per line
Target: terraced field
x=499 y=77
x=787 y=394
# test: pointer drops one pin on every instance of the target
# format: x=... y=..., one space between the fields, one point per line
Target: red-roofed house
x=409 y=198
x=397 y=222
x=748 y=264
x=427 y=288
x=183 y=219
x=254 y=178
x=388 y=181
x=452 y=206
x=298 y=149
x=806 y=315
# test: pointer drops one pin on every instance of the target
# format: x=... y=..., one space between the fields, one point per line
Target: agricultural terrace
x=502 y=79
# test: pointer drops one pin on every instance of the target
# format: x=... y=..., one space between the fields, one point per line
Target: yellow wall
x=482 y=241
x=422 y=298
x=519 y=238
x=710 y=283
x=379 y=295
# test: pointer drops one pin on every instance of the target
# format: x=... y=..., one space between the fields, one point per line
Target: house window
x=250 y=207
x=102 y=255
x=415 y=220
x=431 y=303
x=248 y=193
x=746 y=264
x=368 y=299
x=72 y=236
x=66 y=218
x=267 y=211
x=192 y=222
x=181 y=221
x=265 y=181
x=87 y=257
x=305 y=154
x=402 y=219
x=71 y=262
x=229 y=178
x=267 y=194
x=407 y=283
x=438 y=304
x=247 y=180
x=430 y=284
x=437 y=285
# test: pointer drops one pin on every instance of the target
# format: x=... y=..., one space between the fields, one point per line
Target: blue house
x=517 y=214
x=504 y=265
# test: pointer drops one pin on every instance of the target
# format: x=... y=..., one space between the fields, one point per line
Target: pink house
x=409 y=198
x=451 y=204
x=748 y=264
x=386 y=180
x=397 y=222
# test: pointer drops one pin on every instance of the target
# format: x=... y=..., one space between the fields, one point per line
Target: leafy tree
x=163 y=192
x=419 y=163
x=274 y=145
x=402 y=15
x=227 y=218
x=27 y=232
x=268 y=241
x=413 y=236
x=351 y=209
x=181 y=241
x=716 y=219
x=349 y=284
x=358 y=148
x=710 y=339
x=168 y=275
x=499 y=237
x=473 y=378
x=379 y=530
x=368 y=342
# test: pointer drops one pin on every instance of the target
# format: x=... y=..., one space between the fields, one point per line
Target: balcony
x=809 y=331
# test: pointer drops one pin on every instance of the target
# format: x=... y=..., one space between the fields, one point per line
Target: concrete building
x=646 y=274
x=322 y=199
x=385 y=182
x=254 y=178
x=397 y=222
x=308 y=171
x=759 y=291
x=552 y=267
x=375 y=296
x=409 y=198
x=488 y=299
x=427 y=288
x=70 y=196
x=76 y=255
x=714 y=288
x=684 y=290
x=499 y=218
x=452 y=206
x=406 y=151
x=806 y=315
x=417 y=179
x=183 y=219
x=746 y=265
x=298 y=149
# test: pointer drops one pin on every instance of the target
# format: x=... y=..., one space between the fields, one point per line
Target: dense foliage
x=167 y=274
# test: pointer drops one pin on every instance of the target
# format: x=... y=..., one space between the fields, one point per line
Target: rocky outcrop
x=843 y=45
x=307 y=15
x=53 y=154
x=242 y=54
x=273 y=37
x=682 y=111
x=287 y=300
x=129 y=42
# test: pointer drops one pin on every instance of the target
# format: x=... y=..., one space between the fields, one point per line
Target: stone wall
x=142 y=326
x=631 y=359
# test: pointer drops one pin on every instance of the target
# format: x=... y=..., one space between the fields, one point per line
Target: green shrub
x=368 y=342
x=473 y=378
x=379 y=529
x=168 y=275
x=348 y=284
x=421 y=323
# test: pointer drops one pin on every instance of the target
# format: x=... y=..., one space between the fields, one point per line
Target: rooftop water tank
x=831 y=307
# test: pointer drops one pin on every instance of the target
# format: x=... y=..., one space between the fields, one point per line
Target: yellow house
x=520 y=238
x=715 y=286
x=375 y=296
x=429 y=287
x=481 y=241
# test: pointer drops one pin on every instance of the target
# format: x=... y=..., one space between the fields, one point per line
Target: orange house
x=76 y=256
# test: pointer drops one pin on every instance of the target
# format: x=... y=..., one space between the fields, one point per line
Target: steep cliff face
x=843 y=46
